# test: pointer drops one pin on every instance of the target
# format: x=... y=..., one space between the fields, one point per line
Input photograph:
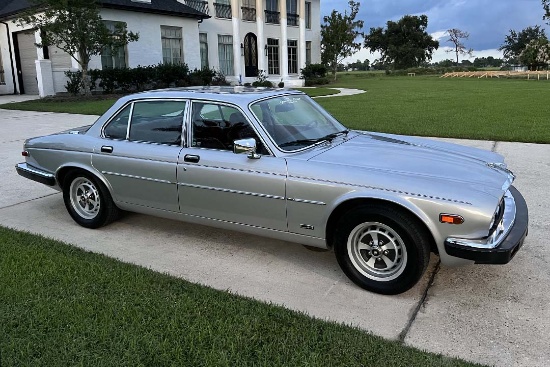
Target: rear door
x=139 y=151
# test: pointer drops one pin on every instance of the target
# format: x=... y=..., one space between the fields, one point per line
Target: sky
x=487 y=21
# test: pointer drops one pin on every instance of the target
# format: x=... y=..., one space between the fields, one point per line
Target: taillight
x=25 y=153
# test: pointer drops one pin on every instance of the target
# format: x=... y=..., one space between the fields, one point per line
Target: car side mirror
x=247 y=146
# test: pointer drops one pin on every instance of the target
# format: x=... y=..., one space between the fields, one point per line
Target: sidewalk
x=11 y=98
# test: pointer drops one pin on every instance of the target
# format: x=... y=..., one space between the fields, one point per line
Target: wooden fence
x=545 y=74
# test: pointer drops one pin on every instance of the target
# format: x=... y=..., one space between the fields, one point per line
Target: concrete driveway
x=498 y=315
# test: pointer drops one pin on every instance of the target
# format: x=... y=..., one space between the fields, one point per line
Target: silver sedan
x=274 y=163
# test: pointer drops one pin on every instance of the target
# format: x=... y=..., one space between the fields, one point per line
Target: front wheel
x=88 y=201
x=381 y=249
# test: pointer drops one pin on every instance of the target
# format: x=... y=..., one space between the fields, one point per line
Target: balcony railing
x=292 y=19
x=223 y=10
x=272 y=17
x=199 y=5
x=249 y=13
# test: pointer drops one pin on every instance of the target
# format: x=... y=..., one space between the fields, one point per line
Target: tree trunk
x=86 y=80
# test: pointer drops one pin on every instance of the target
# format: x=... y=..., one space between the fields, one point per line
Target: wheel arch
x=351 y=203
x=64 y=170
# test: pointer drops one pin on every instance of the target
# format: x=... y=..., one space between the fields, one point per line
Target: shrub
x=316 y=81
x=74 y=84
x=314 y=71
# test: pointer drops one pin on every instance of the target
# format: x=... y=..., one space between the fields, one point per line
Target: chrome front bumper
x=506 y=240
x=35 y=174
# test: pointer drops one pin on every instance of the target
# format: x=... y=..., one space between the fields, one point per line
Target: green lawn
x=486 y=109
x=318 y=91
x=61 y=306
x=89 y=107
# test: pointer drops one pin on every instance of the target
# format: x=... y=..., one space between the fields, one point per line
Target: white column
x=260 y=21
x=237 y=58
x=283 y=44
x=302 y=40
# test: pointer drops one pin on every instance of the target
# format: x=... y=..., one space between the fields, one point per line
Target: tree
x=404 y=43
x=515 y=42
x=536 y=54
x=76 y=27
x=546 y=6
x=338 y=36
x=455 y=37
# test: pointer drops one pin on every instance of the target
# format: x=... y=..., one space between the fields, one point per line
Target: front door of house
x=250 y=55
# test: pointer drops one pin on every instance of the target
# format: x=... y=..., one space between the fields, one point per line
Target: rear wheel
x=88 y=201
x=381 y=249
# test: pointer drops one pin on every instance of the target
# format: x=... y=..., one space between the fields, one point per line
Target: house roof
x=10 y=8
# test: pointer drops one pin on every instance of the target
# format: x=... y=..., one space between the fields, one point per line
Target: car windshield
x=295 y=121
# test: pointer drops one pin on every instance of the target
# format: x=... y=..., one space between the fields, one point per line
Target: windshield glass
x=295 y=122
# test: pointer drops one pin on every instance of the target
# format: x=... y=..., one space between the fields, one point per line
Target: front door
x=215 y=183
x=250 y=55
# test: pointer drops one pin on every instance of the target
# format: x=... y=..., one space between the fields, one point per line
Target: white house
x=238 y=37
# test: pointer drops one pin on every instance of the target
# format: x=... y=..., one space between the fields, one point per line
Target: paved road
x=490 y=314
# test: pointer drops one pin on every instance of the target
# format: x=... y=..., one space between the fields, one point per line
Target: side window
x=217 y=126
x=157 y=122
x=118 y=126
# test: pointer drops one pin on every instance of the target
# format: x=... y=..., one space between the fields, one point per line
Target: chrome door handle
x=191 y=158
x=106 y=149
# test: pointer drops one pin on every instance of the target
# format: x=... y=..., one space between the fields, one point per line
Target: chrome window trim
x=130 y=116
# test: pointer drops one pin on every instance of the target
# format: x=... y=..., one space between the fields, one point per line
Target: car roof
x=235 y=94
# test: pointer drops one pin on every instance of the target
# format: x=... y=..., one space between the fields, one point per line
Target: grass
x=62 y=105
x=485 y=109
x=319 y=91
x=61 y=306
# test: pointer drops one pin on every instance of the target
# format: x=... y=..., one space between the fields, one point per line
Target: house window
x=308 y=15
x=308 y=52
x=203 y=40
x=272 y=11
x=249 y=10
x=172 y=51
x=113 y=58
x=225 y=53
x=292 y=56
x=273 y=56
x=292 y=12
x=223 y=9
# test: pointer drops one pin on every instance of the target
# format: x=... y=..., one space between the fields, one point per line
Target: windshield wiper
x=329 y=138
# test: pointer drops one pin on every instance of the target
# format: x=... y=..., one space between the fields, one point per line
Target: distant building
x=237 y=37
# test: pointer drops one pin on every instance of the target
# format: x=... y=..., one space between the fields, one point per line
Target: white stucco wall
x=148 y=49
x=216 y=26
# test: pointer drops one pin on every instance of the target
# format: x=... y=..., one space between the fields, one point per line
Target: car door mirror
x=247 y=146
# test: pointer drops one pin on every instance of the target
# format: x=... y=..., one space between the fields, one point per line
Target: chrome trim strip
x=28 y=168
x=232 y=191
x=500 y=233
x=382 y=189
x=306 y=201
x=137 y=177
x=231 y=169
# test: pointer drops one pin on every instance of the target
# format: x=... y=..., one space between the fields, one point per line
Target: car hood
x=421 y=157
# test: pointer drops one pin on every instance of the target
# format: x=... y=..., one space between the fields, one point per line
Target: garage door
x=28 y=55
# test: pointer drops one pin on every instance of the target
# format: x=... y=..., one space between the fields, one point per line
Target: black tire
x=87 y=200
x=392 y=266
